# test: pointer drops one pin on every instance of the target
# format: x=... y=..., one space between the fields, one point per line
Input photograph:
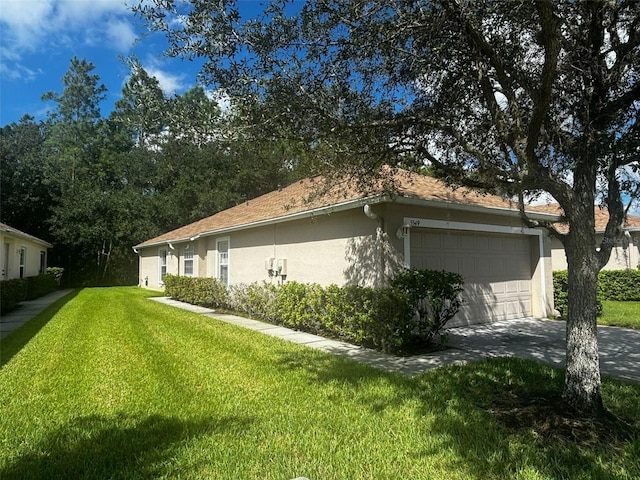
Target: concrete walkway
x=530 y=338
x=9 y=322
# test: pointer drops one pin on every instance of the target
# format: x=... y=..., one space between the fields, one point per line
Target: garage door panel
x=495 y=244
x=496 y=269
x=481 y=242
x=483 y=264
x=430 y=241
x=452 y=264
x=466 y=243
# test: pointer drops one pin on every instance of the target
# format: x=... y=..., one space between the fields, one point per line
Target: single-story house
x=21 y=254
x=349 y=237
x=625 y=253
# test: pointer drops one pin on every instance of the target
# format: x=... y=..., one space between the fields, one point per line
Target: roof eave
x=326 y=210
x=550 y=217
x=351 y=204
x=25 y=236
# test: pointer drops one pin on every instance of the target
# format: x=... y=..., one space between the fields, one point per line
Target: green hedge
x=40 y=285
x=383 y=318
x=434 y=295
x=12 y=292
x=560 y=293
x=206 y=292
x=17 y=290
x=620 y=285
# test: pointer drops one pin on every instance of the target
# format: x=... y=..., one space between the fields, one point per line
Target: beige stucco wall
x=621 y=258
x=344 y=247
x=325 y=249
x=316 y=249
x=10 y=256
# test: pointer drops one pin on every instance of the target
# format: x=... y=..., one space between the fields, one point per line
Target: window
x=23 y=257
x=43 y=262
x=188 y=260
x=162 y=256
x=222 y=246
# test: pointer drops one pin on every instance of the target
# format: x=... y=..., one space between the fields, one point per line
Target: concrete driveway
x=544 y=341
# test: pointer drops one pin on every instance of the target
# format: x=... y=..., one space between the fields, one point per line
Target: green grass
x=620 y=314
x=108 y=384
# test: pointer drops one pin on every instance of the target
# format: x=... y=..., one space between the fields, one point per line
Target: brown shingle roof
x=299 y=197
x=601 y=217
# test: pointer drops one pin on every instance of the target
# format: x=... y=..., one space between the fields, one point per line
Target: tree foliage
x=95 y=186
x=24 y=194
x=517 y=98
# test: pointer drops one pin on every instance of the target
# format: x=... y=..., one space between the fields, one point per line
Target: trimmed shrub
x=56 y=273
x=560 y=293
x=300 y=305
x=258 y=300
x=40 y=285
x=620 y=285
x=206 y=292
x=434 y=295
x=378 y=318
x=17 y=290
x=12 y=292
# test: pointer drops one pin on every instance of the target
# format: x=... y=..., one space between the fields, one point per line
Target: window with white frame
x=43 y=262
x=162 y=256
x=222 y=246
x=188 y=260
x=23 y=258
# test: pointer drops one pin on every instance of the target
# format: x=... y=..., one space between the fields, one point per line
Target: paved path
x=9 y=322
x=531 y=338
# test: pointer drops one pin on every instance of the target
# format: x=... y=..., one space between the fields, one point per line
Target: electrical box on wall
x=269 y=263
x=281 y=266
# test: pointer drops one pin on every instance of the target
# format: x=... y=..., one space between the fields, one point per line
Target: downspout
x=171 y=247
x=543 y=293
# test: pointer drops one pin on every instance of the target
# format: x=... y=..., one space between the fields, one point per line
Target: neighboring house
x=21 y=254
x=625 y=253
x=346 y=237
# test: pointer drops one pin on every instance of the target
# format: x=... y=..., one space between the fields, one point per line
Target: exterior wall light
x=403 y=232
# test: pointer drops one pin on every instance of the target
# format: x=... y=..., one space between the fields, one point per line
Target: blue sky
x=38 y=38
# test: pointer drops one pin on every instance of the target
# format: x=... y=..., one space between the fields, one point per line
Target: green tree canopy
x=24 y=193
x=516 y=98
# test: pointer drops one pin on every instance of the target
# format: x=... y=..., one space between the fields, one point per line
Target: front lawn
x=620 y=314
x=117 y=386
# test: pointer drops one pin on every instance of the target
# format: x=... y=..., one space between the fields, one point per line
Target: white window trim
x=22 y=262
x=218 y=262
x=42 y=267
x=192 y=259
x=166 y=265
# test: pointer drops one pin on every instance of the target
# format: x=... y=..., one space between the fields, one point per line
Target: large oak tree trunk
x=582 y=387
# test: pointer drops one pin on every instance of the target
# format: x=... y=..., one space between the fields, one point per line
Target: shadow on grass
x=100 y=447
x=462 y=401
x=16 y=341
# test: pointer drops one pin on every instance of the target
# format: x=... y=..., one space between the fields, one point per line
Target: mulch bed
x=551 y=420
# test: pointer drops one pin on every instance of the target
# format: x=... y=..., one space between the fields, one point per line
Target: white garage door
x=496 y=270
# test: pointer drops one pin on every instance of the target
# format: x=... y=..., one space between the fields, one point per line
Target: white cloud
x=39 y=24
x=170 y=83
x=17 y=71
x=222 y=98
x=121 y=34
